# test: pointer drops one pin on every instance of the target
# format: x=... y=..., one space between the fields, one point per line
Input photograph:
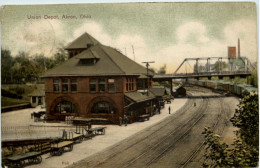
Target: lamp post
x=147 y=65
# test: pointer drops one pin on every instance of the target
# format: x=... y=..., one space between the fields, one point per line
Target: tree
x=6 y=64
x=244 y=150
x=253 y=79
x=60 y=57
x=246 y=118
x=27 y=68
x=220 y=66
x=162 y=70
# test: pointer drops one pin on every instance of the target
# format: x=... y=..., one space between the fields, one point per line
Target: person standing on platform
x=169 y=109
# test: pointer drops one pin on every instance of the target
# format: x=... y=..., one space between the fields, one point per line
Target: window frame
x=73 y=82
x=56 y=82
x=102 y=83
x=65 y=84
x=111 y=83
x=93 y=83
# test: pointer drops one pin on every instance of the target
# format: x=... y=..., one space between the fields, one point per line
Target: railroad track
x=221 y=116
x=187 y=106
x=173 y=144
x=179 y=130
x=171 y=147
x=150 y=149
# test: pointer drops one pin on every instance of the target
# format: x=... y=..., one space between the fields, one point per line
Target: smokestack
x=238 y=48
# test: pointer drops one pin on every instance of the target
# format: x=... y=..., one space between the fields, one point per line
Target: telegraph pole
x=133 y=52
x=147 y=65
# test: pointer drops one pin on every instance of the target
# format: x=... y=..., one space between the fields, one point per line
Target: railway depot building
x=97 y=82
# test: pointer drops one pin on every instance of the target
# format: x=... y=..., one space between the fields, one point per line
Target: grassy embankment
x=21 y=90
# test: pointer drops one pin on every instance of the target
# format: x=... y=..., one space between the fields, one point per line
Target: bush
x=245 y=149
x=6 y=93
x=18 y=90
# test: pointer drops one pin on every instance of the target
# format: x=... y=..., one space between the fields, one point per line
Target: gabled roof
x=37 y=93
x=158 y=91
x=111 y=62
x=138 y=97
x=82 y=41
x=88 y=54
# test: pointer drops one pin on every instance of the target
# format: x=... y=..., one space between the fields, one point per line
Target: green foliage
x=27 y=68
x=245 y=149
x=253 y=79
x=152 y=70
x=219 y=155
x=162 y=70
x=6 y=63
x=220 y=66
x=246 y=118
x=216 y=150
x=18 y=90
x=6 y=101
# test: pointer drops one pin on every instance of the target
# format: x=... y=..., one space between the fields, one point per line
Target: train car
x=220 y=86
x=231 y=88
x=191 y=81
x=201 y=83
x=239 y=88
x=207 y=83
x=211 y=84
x=226 y=86
x=248 y=89
x=196 y=82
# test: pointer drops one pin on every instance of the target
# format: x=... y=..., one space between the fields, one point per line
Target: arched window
x=102 y=107
x=65 y=107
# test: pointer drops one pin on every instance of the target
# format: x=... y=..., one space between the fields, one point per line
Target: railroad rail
x=154 y=154
x=187 y=106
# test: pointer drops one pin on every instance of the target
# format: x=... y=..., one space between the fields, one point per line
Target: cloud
x=95 y=30
x=193 y=42
x=37 y=37
x=192 y=32
x=246 y=30
x=125 y=42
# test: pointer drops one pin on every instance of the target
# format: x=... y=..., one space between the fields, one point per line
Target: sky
x=166 y=33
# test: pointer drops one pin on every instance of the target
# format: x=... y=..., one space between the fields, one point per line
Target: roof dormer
x=88 y=57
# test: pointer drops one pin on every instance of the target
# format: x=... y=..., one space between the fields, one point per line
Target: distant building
x=232 y=52
x=159 y=93
x=179 y=91
x=96 y=81
x=37 y=98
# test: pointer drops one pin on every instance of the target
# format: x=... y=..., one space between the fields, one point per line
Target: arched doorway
x=102 y=107
x=64 y=106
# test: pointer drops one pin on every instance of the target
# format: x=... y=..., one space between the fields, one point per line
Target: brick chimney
x=232 y=52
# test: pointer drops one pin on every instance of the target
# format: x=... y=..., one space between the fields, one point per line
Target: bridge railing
x=202 y=74
x=214 y=73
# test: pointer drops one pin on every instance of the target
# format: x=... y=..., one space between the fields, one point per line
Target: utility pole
x=147 y=65
x=133 y=52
